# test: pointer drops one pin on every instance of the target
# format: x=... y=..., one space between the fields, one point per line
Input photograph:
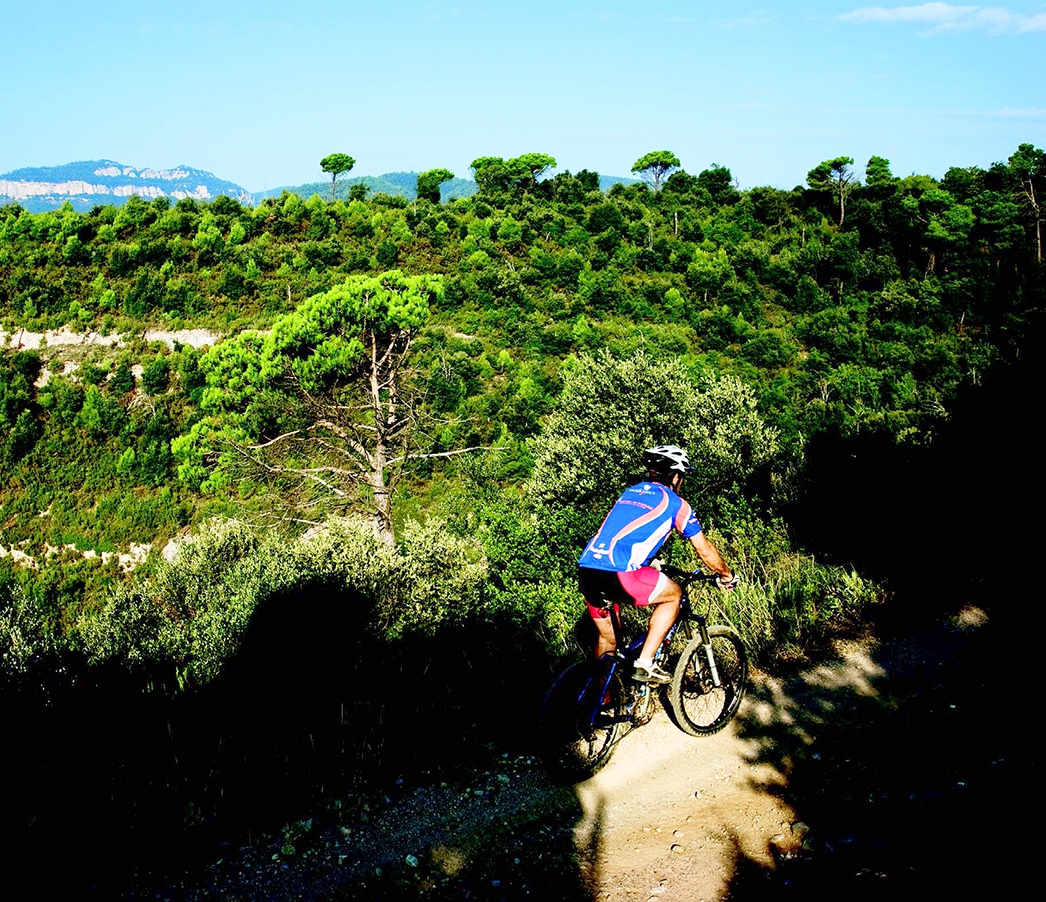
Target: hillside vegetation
x=419 y=411
x=840 y=309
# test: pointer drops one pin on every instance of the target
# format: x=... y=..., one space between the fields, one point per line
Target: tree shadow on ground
x=138 y=788
x=916 y=785
x=905 y=774
x=906 y=779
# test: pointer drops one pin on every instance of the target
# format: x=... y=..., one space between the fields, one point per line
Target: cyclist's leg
x=601 y=591
x=661 y=620
x=648 y=586
x=606 y=641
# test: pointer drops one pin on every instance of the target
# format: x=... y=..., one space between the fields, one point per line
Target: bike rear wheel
x=700 y=707
x=581 y=717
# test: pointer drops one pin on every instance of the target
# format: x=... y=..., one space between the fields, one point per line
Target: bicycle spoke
x=581 y=717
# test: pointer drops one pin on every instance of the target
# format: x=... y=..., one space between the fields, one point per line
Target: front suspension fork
x=706 y=643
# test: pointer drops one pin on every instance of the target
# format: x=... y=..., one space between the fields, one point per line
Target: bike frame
x=593 y=704
x=624 y=656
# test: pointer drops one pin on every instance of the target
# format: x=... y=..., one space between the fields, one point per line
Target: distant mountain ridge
x=90 y=182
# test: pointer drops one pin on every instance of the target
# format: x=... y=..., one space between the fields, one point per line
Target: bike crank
x=643 y=706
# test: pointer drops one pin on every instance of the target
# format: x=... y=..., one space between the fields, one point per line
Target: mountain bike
x=593 y=704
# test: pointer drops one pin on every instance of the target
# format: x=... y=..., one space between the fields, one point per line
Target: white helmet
x=666 y=459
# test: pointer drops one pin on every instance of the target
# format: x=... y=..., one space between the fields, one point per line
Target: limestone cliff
x=86 y=184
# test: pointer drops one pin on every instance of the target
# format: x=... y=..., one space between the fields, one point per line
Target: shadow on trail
x=905 y=776
x=915 y=782
x=918 y=784
x=909 y=777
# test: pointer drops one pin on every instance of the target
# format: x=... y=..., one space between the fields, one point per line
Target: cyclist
x=618 y=563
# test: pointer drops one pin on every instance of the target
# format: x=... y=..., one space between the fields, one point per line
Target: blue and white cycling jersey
x=637 y=526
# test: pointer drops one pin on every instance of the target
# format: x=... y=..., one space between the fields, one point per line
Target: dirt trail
x=670 y=814
x=797 y=793
x=667 y=818
x=664 y=819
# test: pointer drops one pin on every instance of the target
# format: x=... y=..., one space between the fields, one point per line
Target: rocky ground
x=889 y=770
x=23 y=339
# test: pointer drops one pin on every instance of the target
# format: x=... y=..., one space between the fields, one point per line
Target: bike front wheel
x=580 y=719
x=700 y=706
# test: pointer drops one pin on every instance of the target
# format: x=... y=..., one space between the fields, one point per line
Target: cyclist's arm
x=710 y=555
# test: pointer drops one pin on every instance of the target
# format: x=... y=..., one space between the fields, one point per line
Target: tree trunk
x=382 y=505
x=384 y=414
x=1029 y=192
x=1038 y=220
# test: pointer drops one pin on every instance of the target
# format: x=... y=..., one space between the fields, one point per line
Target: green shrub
x=155 y=375
x=592 y=444
x=25 y=641
x=190 y=615
x=791 y=605
x=123 y=379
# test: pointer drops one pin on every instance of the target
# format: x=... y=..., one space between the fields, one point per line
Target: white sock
x=645 y=663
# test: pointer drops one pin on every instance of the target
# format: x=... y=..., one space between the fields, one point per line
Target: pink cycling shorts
x=638 y=586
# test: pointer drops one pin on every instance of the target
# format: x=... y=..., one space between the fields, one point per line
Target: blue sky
x=257 y=93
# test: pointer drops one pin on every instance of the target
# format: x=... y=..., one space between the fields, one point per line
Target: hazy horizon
x=258 y=95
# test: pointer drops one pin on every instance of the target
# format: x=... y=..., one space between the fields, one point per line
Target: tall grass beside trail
x=788 y=607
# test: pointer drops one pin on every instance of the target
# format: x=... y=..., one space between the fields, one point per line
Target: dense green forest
x=845 y=309
x=424 y=408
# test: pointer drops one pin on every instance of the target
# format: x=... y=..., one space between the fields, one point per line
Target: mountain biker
x=618 y=563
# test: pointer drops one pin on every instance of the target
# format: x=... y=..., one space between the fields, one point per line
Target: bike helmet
x=666 y=459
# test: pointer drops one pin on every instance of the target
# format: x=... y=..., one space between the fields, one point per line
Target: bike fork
x=706 y=642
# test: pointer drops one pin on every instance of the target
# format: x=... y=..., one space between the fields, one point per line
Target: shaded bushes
x=27 y=647
x=191 y=614
x=249 y=680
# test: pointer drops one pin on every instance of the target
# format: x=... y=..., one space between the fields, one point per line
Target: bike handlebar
x=688 y=577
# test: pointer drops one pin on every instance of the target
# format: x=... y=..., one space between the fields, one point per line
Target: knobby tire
x=700 y=707
x=578 y=729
